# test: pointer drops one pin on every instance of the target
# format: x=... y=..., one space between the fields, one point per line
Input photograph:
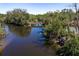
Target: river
x=21 y=41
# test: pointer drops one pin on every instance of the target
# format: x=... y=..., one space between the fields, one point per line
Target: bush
x=71 y=48
x=17 y=17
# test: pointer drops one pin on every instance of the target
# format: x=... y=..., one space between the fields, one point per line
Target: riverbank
x=2 y=35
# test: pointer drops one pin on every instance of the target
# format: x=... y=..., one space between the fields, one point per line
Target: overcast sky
x=34 y=8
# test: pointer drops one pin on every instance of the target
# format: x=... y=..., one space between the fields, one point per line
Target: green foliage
x=71 y=48
x=17 y=16
x=57 y=26
x=2 y=18
x=1 y=30
x=33 y=18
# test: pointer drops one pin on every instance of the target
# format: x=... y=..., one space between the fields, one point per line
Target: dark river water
x=21 y=41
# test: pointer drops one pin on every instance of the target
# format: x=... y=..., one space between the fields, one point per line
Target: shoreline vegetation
x=2 y=35
x=57 y=27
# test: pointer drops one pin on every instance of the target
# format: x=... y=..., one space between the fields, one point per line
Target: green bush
x=71 y=48
x=17 y=17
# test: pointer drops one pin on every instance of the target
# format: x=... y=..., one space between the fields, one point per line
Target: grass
x=1 y=37
x=1 y=30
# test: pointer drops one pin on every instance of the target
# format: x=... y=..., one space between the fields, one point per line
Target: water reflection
x=20 y=30
x=26 y=41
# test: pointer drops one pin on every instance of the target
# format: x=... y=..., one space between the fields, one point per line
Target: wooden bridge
x=36 y=24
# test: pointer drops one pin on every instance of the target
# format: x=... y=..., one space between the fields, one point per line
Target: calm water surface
x=21 y=41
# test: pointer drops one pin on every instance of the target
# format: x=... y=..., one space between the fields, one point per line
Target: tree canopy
x=17 y=16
